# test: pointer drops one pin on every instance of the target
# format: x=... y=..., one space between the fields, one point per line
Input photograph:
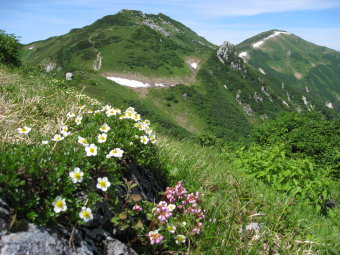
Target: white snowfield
x=243 y=54
x=262 y=71
x=276 y=33
x=134 y=83
x=194 y=65
x=329 y=105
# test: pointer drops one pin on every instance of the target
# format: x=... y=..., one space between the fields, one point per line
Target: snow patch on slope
x=276 y=33
x=262 y=71
x=243 y=54
x=194 y=65
x=329 y=105
x=134 y=83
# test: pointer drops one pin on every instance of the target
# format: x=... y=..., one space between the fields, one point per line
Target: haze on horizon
x=317 y=21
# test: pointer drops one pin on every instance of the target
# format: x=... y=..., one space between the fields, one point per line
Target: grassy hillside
x=310 y=68
x=243 y=215
x=129 y=41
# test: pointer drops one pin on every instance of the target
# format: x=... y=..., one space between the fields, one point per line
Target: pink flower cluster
x=155 y=237
x=163 y=211
x=172 y=194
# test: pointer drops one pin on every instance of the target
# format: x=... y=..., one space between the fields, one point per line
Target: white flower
x=57 y=138
x=103 y=183
x=91 y=150
x=78 y=120
x=90 y=111
x=146 y=122
x=76 y=175
x=102 y=138
x=111 y=112
x=180 y=239
x=148 y=131
x=171 y=228
x=144 y=139
x=86 y=214
x=129 y=115
x=59 y=204
x=63 y=129
x=131 y=143
x=171 y=207
x=81 y=107
x=44 y=142
x=71 y=115
x=24 y=130
x=105 y=128
x=136 y=117
x=152 y=138
x=82 y=141
x=117 y=152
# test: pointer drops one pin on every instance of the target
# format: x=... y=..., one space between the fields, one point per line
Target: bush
x=299 y=176
x=9 y=49
x=33 y=176
x=306 y=134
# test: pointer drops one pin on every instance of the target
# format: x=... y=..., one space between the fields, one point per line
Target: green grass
x=290 y=226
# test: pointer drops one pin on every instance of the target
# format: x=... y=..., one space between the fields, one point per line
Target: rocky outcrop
x=59 y=241
x=225 y=51
x=227 y=55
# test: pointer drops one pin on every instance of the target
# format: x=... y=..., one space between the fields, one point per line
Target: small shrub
x=299 y=176
x=9 y=49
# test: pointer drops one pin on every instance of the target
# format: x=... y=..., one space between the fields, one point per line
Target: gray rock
x=4 y=217
x=34 y=241
x=225 y=51
x=148 y=186
x=115 y=247
x=69 y=76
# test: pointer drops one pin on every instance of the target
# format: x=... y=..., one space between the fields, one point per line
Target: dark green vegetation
x=9 y=49
x=312 y=69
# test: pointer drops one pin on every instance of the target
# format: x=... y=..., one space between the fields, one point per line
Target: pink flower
x=137 y=208
x=155 y=237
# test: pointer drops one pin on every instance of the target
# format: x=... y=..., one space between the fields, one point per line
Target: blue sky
x=317 y=21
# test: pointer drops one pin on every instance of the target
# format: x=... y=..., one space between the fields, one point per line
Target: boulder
x=69 y=76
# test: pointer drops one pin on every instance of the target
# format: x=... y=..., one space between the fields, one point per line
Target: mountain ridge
x=216 y=92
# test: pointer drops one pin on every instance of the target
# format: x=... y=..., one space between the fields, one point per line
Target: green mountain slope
x=312 y=69
x=221 y=95
x=129 y=41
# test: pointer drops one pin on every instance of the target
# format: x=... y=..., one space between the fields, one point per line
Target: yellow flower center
x=83 y=141
x=86 y=215
x=77 y=175
x=92 y=150
x=59 y=204
x=102 y=184
x=58 y=138
x=23 y=129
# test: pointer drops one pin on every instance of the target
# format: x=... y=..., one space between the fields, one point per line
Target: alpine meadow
x=135 y=135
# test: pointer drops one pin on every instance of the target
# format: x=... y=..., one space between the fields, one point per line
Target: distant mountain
x=129 y=41
x=216 y=91
x=313 y=69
